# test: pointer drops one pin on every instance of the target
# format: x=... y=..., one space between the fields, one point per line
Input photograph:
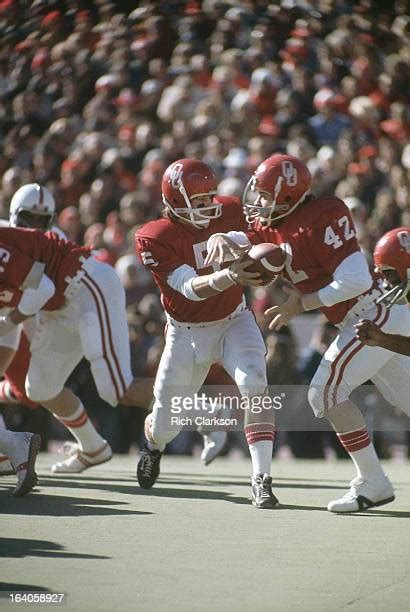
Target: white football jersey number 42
x=347 y=232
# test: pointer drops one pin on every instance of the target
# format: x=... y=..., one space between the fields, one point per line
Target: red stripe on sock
x=79 y=422
x=258 y=432
x=354 y=440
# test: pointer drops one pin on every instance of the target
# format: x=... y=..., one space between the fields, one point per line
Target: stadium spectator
x=203 y=79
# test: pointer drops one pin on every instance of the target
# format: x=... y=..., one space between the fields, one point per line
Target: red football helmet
x=392 y=253
x=184 y=180
x=284 y=179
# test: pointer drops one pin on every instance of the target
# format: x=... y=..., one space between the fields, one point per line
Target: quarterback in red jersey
x=328 y=271
x=208 y=321
x=392 y=259
x=74 y=306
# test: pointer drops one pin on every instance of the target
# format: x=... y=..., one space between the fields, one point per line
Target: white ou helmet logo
x=404 y=240
x=32 y=198
x=290 y=173
x=176 y=175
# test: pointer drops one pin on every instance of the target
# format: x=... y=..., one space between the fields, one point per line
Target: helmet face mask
x=392 y=259
x=276 y=188
x=26 y=218
x=32 y=206
x=185 y=181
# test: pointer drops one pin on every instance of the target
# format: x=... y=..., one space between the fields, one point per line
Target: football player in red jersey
x=75 y=305
x=33 y=206
x=328 y=271
x=207 y=318
x=392 y=259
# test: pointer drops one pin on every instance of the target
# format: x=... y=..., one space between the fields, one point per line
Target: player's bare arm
x=294 y=305
x=370 y=334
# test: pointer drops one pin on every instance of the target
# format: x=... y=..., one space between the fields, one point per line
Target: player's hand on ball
x=242 y=276
x=223 y=249
x=285 y=312
x=368 y=333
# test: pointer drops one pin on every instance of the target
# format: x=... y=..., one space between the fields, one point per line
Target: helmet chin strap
x=276 y=192
x=192 y=212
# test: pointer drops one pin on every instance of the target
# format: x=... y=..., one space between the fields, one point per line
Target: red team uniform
x=326 y=266
x=317 y=237
x=164 y=245
x=220 y=329
x=207 y=319
x=84 y=317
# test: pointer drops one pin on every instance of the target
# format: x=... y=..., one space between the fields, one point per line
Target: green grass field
x=195 y=542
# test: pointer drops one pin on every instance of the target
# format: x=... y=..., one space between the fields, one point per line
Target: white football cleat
x=23 y=461
x=363 y=495
x=78 y=460
x=214 y=441
x=6 y=469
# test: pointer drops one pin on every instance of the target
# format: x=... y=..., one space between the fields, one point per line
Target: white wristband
x=221 y=280
x=311 y=302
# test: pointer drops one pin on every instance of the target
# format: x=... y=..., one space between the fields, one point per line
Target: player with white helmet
x=33 y=206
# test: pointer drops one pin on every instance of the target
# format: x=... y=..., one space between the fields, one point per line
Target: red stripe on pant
x=347 y=358
x=103 y=339
x=354 y=440
x=111 y=343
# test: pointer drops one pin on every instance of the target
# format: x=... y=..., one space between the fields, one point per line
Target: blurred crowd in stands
x=98 y=98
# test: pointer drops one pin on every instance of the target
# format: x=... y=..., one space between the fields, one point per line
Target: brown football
x=269 y=260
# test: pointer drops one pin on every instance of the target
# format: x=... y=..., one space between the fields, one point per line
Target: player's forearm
x=196 y=288
x=213 y=284
x=311 y=301
x=395 y=343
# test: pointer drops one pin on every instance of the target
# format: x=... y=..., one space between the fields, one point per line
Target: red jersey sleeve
x=14 y=266
x=332 y=235
x=160 y=258
x=9 y=296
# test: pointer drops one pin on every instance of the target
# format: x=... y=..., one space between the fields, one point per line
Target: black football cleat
x=262 y=496
x=148 y=467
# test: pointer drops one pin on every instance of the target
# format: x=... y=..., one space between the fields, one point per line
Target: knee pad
x=316 y=400
x=251 y=380
x=37 y=393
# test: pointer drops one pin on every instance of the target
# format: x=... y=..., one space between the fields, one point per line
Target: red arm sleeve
x=14 y=266
x=159 y=258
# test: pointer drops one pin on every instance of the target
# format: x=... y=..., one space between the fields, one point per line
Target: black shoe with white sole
x=148 y=467
x=262 y=496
